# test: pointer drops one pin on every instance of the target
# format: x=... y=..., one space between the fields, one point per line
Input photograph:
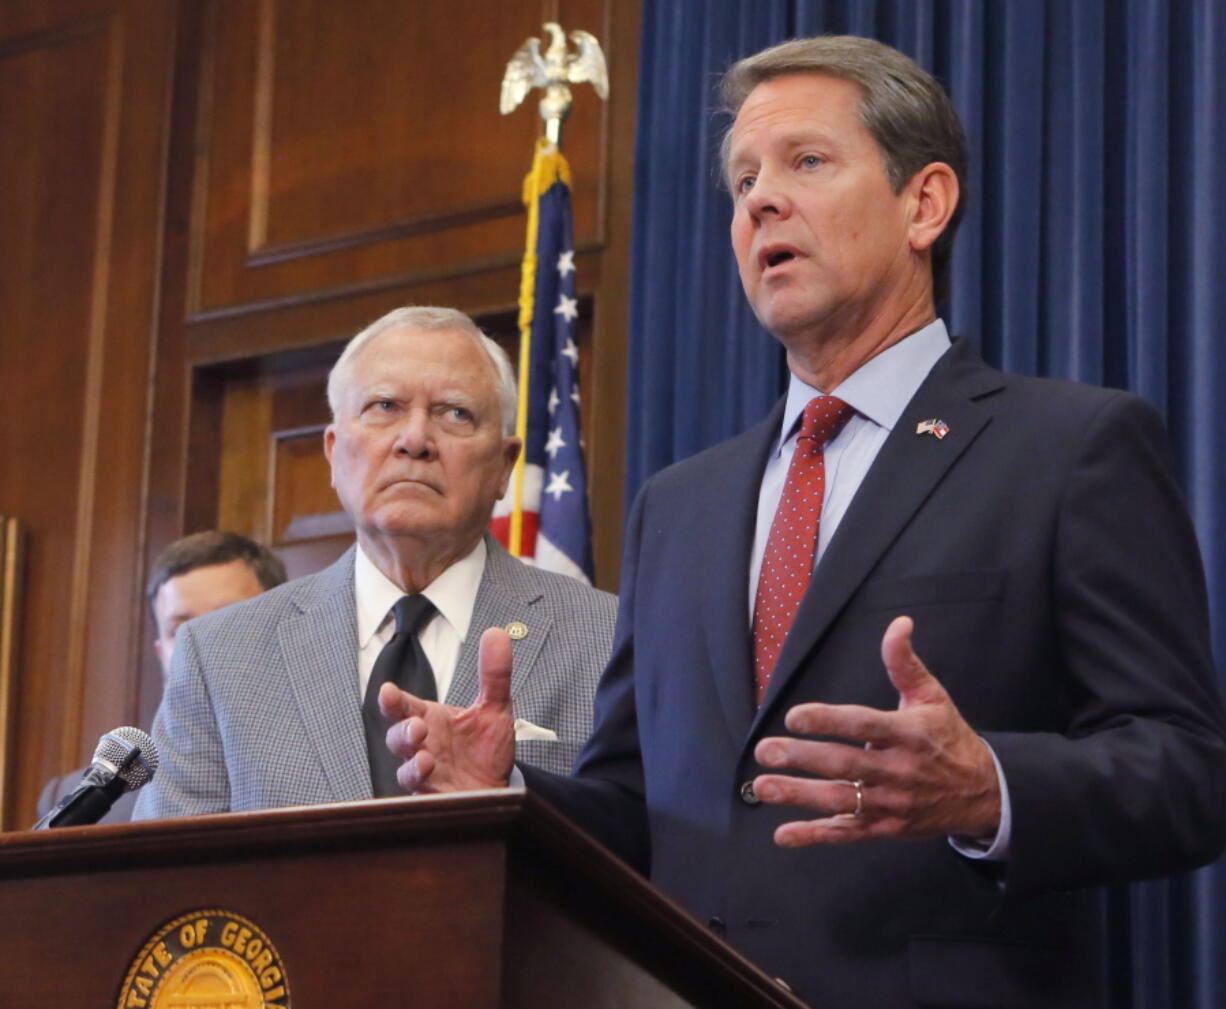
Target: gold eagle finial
x=528 y=69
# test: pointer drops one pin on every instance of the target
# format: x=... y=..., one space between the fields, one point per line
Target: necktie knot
x=823 y=418
x=411 y=613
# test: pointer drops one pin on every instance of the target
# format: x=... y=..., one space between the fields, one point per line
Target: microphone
x=124 y=761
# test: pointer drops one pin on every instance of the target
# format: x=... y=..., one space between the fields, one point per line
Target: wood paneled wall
x=205 y=199
x=83 y=89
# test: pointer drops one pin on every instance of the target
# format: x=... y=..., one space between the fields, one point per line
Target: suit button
x=717 y=925
x=748 y=795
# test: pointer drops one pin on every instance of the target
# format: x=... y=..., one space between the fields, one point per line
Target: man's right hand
x=449 y=749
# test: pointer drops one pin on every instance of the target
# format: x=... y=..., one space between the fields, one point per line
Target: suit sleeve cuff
x=994 y=849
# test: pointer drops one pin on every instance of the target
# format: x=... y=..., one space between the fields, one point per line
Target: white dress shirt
x=453 y=594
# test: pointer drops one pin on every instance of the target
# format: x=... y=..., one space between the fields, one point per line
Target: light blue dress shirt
x=878 y=391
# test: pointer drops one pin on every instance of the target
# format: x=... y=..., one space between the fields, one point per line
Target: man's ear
x=511 y=447
x=329 y=445
x=935 y=193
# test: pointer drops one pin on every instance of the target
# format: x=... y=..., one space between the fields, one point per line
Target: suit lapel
x=724 y=530
x=320 y=646
x=505 y=595
x=904 y=474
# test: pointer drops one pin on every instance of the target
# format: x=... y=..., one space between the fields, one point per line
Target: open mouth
x=775 y=255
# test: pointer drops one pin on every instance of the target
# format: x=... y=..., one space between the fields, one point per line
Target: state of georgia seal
x=210 y=959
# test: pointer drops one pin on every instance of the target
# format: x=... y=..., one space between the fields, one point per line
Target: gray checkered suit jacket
x=262 y=706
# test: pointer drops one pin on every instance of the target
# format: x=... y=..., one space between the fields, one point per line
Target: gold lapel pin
x=937 y=428
x=517 y=630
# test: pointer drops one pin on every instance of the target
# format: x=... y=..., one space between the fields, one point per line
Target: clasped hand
x=922 y=771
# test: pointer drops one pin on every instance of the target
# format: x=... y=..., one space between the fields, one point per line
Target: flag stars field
x=543 y=518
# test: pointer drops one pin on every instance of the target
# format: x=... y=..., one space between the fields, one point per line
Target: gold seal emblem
x=206 y=960
x=517 y=630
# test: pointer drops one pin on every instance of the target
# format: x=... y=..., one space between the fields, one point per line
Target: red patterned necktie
x=787 y=564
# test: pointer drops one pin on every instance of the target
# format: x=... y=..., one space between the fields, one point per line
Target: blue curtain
x=1091 y=249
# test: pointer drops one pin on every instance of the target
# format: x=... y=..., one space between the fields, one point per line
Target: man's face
x=416 y=449
x=821 y=239
x=196 y=593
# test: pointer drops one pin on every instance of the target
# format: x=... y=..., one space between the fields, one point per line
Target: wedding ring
x=858 y=785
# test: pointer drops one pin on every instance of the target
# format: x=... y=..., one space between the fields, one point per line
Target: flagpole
x=527 y=309
x=550 y=71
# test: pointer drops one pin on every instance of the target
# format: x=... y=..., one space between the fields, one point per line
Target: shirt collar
x=881 y=388
x=454 y=592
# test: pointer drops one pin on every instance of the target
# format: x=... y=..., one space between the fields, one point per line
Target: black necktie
x=404 y=663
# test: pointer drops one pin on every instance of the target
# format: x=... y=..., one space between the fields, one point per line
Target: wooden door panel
x=345 y=145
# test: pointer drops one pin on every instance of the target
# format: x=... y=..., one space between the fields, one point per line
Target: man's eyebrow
x=454 y=396
x=813 y=133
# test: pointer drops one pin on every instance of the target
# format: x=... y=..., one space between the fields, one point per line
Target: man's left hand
x=922 y=771
x=449 y=749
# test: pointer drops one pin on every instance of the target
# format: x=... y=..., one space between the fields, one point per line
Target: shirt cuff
x=996 y=849
x=516 y=778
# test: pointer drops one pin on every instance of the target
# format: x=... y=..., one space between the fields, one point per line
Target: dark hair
x=903 y=107
x=203 y=550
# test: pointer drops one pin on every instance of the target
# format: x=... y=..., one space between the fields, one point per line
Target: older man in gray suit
x=273 y=702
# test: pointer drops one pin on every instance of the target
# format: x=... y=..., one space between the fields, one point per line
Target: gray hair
x=428 y=318
x=903 y=107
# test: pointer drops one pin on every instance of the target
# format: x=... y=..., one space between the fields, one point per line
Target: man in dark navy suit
x=906 y=669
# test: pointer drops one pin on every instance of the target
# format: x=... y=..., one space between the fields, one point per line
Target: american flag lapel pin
x=935 y=427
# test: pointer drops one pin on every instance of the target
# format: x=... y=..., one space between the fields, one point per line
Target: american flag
x=554 y=529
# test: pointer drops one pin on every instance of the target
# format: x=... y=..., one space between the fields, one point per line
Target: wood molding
x=51 y=38
x=422 y=224
x=12 y=543
x=73 y=675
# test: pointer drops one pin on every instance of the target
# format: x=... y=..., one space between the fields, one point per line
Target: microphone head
x=117 y=748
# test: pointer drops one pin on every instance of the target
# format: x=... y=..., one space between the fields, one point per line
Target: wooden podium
x=475 y=901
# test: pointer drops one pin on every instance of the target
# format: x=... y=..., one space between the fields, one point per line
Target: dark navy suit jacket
x=1045 y=554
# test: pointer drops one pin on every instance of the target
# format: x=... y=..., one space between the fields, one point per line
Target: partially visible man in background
x=193 y=576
